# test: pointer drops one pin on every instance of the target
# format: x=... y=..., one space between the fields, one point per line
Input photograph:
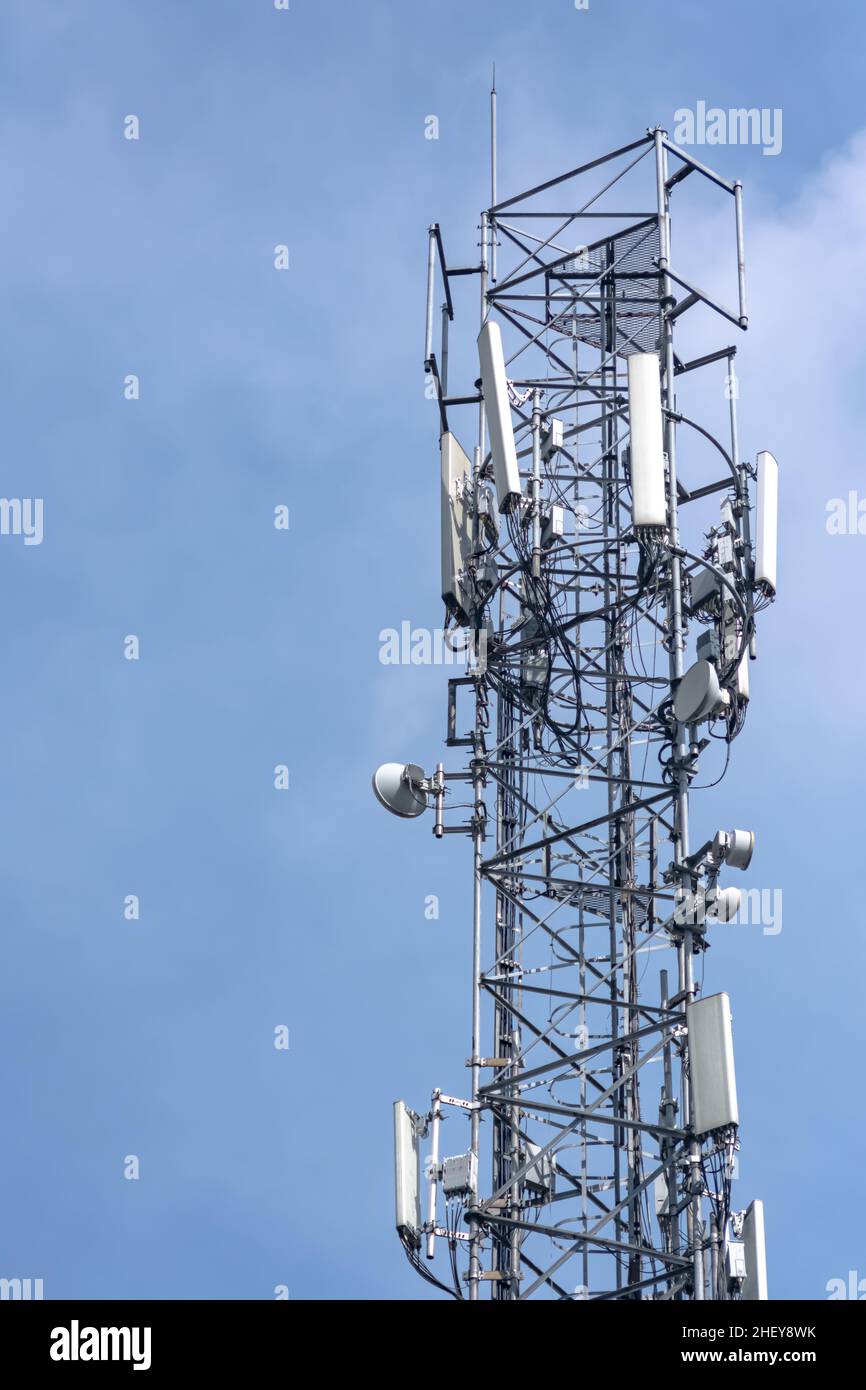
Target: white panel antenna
x=755 y=1282
x=648 y=500
x=406 y=1168
x=711 y=1055
x=767 y=521
x=494 y=387
x=456 y=525
x=660 y=1192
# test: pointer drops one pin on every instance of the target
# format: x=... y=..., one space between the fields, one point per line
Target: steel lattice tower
x=586 y=1175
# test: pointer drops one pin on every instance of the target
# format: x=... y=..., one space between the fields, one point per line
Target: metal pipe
x=478 y=837
x=662 y=196
x=536 y=484
x=572 y=173
x=439 y=800
x=696 y=164
x=493 y=176
x=741 y=254
x=431 y=280
x=669 y=1109
x=434 y=1174
x=475 y=1059
x=681 y=817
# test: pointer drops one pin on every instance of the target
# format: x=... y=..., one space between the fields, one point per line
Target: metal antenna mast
x=604 y=562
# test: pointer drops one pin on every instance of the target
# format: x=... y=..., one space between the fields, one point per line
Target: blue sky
x=305 y=908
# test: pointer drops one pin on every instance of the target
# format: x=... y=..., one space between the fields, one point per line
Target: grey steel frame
x=575 y=894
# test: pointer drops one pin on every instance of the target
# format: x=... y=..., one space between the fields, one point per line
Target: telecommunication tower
x=605 y=555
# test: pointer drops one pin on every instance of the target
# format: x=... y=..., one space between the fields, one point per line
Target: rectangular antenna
x=408 y=1207
x=456 y=523
x=646 y=450
x=755 y=1282
x=495 y=388
x=768 y=520
x=711 y=1057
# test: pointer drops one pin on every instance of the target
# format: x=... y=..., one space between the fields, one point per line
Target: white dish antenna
x=723 y=904
x=399 y=787
x=736 y=847
x=699 y=694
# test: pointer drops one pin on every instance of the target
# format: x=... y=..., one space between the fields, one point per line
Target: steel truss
x=592 y=1183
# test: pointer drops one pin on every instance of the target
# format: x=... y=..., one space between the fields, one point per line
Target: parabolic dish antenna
x=397 y=786
x=724 y=904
